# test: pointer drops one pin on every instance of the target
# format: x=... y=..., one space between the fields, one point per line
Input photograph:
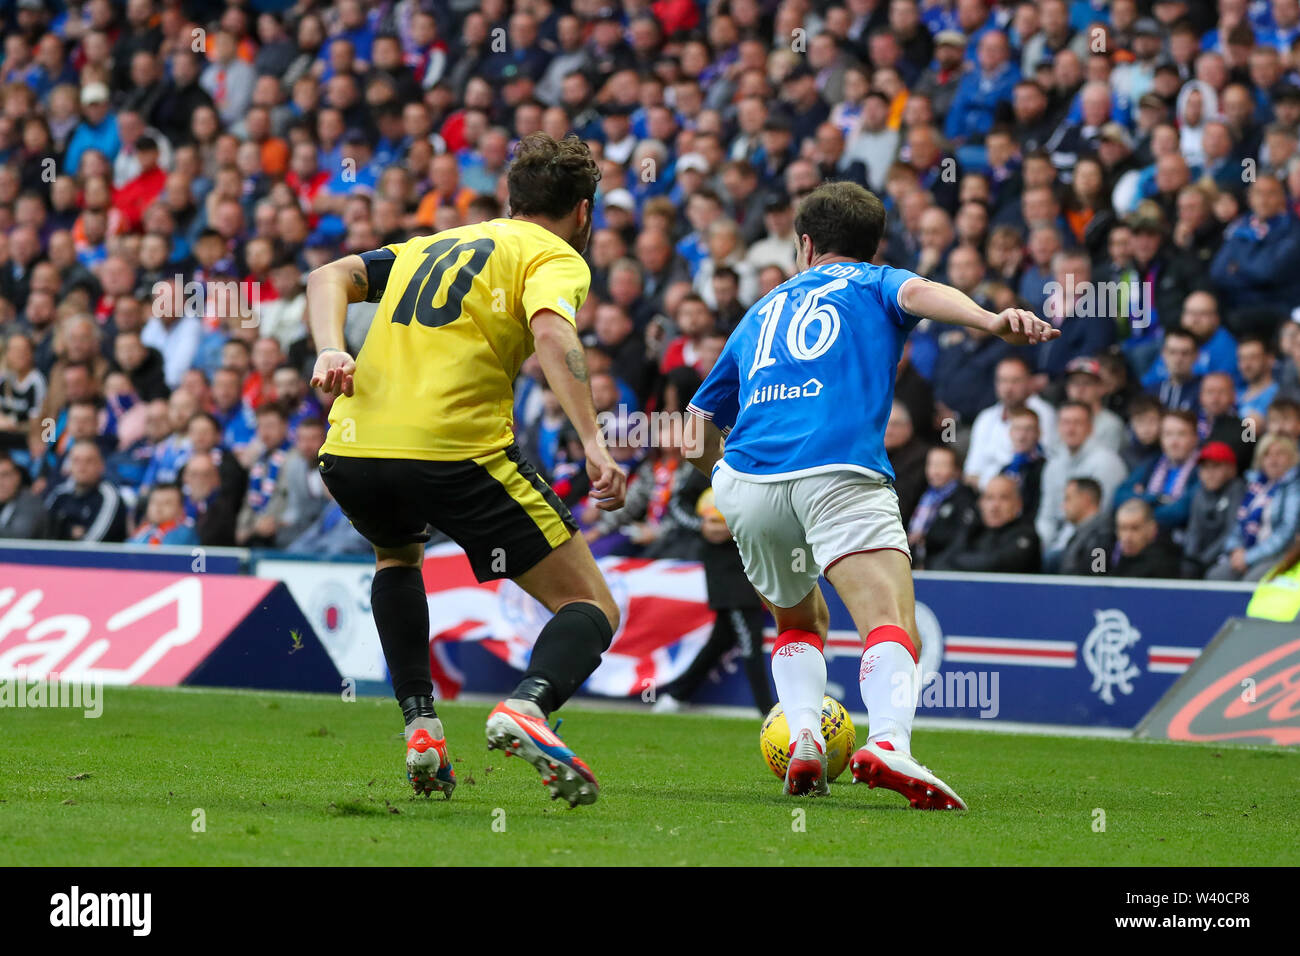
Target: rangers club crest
x=1105 y=652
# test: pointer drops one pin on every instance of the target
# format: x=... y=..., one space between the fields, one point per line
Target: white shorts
x=790 y=530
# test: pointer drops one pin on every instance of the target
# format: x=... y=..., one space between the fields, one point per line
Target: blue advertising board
x=125 y=557
x=1034 y=649
x=1043 y=650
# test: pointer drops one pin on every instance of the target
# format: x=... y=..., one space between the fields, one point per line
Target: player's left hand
x=608 y=483
x=1022 y=327
x=333 y=373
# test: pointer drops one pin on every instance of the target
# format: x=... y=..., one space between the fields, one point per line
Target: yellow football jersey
x=435 y=376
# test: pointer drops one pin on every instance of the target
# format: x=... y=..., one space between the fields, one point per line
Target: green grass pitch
x=284 y=779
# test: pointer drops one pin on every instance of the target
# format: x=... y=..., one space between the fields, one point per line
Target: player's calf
x=799 y=672
x=889 y=681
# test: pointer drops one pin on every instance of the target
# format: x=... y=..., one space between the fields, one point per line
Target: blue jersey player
x=802 y=392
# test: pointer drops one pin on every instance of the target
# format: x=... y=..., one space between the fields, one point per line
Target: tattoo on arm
x=577 y=363
x=359 y=280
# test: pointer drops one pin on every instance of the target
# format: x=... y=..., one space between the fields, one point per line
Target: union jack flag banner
x=665 y=620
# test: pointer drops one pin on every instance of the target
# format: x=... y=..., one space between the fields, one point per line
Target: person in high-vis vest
x=1278 y=596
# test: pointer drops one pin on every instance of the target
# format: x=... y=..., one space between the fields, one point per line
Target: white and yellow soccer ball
x=837 y=728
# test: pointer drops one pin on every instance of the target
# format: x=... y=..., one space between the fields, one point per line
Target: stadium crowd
x=171 y=171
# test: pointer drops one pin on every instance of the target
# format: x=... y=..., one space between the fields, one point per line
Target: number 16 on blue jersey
x=806 y=381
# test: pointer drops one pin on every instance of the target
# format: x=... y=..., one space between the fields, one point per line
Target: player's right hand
x=333 y=372
x=608 y=483
x=1022 y=327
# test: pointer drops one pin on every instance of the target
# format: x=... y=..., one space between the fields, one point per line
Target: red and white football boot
x=806 y=774
x=880 y=765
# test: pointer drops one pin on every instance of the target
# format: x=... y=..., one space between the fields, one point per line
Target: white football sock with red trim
x=890 y=681
x=799 y=672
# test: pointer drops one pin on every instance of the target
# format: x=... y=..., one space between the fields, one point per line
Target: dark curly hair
x=549 y=177
x=842 y=218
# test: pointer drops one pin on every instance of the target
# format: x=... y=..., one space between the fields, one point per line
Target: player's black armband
x=379 y=263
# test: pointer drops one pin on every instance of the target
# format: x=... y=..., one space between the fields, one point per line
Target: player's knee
x=815 y=620
x=610 y=610
x=908 y=626
x=599 y=595
x=596 y=609
x=595 y=594
x=407 y=555
x=908 y=623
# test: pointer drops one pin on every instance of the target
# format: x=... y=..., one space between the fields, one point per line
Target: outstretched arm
x=560 y=353
x=330 y=289
x=943 y=303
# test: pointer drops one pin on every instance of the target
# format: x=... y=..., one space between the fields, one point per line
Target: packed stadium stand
x=170 y=173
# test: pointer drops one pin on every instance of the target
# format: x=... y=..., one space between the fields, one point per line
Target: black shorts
x=496 y=507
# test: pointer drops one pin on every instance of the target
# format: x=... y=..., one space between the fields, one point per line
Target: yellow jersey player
x=421 y=433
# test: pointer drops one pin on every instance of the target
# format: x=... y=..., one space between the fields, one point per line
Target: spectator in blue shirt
x=1168 y=482
x=975 y=20
x=169 y=454
x=1216 y=348
x=354 y=26
x=126 y=468
x=1044 y=243
x=522 y=56
x=97 y=129
x=355 y=173
x=964 y=370
x=1257 y=264
x=1074 y=305
x=702 y=210
x=1283 y=26
x=983 y=90
x=238 y=423
x=1269 y=514
x=259 y=517
x=1255 y=368
x=51 y=67
x=165 y=520
x=1173 y=380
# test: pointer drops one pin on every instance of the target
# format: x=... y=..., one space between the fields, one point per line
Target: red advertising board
x=1245 y=688
x=122 y=627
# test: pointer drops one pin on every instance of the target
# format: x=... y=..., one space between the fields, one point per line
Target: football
x=837 y=728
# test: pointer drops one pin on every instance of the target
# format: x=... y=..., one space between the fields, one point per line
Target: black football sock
x=401 y=609
x=748 y=625
x=566 y=652
x=721 y=638
x=417 y=706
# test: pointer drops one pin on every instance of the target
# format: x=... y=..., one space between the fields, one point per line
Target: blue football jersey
x=805 y=383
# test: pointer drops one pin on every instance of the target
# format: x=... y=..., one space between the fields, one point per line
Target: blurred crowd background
x=171 y=171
